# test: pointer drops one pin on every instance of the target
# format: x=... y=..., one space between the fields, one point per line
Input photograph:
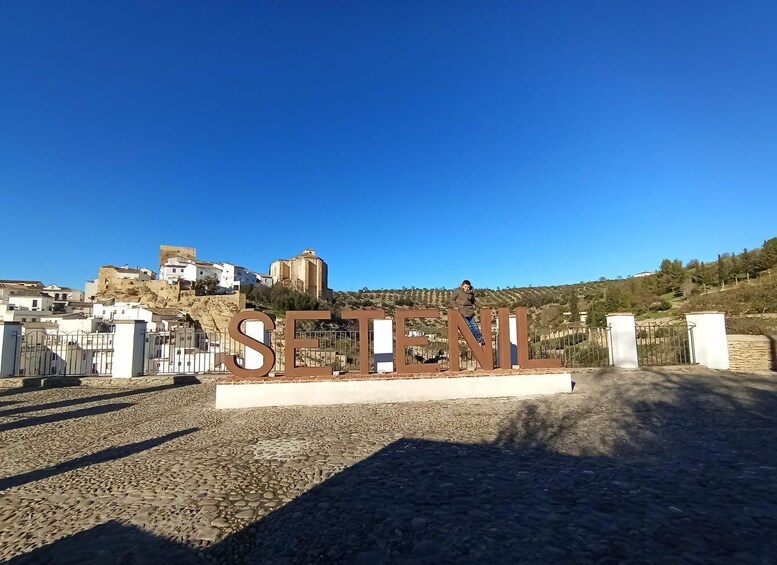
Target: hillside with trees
x=741 y=284
x=737 y=283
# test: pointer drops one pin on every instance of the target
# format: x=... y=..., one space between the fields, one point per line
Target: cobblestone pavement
x=648 y=466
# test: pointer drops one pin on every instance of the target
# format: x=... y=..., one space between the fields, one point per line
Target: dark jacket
x=463 y=301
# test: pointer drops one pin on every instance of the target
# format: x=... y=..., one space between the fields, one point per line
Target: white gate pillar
x=10 y=348
x=623 y=341
x=708 y=340
x=383 y=345
x=129 y=343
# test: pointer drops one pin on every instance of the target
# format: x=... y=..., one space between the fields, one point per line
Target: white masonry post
x=10 y=348
x=623 y=340
x=129 y=343
x=708 y=340
x=255 y=329
x=384 y=345
x=513 y=331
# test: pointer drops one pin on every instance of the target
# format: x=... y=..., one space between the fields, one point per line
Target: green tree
x=671 y=275
x=283 y=299
x=769 y=253
x=574 y=306
x=597 y=316
x=724 y=273
x=613 y=300
x=206 y=286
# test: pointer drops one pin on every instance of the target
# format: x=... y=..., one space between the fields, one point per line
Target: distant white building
x=157 y=319
x=24 y=298
x=230 y=276
x=63 y=296
x=90 y=290
x=642 y=274
x=206 y=270
x=234 y=276
x=176 y=269
x=28 y=303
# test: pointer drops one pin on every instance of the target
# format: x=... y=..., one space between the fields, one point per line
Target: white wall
x=122 y=311
x=175 y=269
x=39 y=303
x=90 y=289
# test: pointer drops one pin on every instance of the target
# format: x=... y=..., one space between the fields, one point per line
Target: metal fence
x=66 y=354
x=664 y=343
x=575 y=346
x=189 y=351
x=338 y=349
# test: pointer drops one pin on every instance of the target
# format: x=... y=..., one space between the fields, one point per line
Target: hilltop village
x=183 y=291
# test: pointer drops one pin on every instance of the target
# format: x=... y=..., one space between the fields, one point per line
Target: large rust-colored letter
x=236 y=333
x=522 y=329
x=364 y=317
x=292 y=344
x=404 y=340
x=505 y=353
x=484 y=354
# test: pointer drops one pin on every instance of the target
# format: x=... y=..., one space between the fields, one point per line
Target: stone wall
x=168 y=251
x=752 y=353
x=212 y=312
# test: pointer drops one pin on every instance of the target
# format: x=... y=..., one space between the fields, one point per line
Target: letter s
x=268 y=355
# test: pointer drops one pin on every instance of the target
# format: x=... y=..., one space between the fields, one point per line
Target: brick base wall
x=752 y=353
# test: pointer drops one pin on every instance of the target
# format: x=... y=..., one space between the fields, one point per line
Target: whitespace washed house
x=230 y=276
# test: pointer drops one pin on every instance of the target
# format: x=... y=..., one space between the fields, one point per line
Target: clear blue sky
x=409 y=143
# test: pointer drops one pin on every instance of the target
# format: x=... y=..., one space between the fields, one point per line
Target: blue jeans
x=475 y=329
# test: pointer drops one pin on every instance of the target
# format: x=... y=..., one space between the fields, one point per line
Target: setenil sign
x=483 y=354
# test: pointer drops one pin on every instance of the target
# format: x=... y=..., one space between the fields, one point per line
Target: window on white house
x=34 y=303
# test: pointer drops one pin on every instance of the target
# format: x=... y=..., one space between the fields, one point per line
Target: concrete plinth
x=707 y=336
x=373 y=390
x=623 y=341
x=10 y=348
x=128 y=347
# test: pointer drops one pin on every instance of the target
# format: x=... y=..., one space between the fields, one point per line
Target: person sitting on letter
x=463 y=300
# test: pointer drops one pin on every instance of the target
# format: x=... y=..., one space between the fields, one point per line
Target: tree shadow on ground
x=84 y=400
x=109 y=454
x=13 y=391
x=682 y=471
x=111 y=543
x=61 y=416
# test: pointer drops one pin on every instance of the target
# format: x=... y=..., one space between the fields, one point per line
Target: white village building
x=230 y=276
x=157 y=319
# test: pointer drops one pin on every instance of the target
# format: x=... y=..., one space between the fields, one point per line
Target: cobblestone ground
x=649 y=466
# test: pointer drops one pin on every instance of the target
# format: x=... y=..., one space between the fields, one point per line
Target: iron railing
x=189 y=351
x=575 y=346
x=66 y=353
x=664 y=343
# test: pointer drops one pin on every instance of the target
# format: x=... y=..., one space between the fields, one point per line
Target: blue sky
x=409 y=143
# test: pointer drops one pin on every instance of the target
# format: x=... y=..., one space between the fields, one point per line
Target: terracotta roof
x=166 y=312
x=19 y=281
x=24 y=291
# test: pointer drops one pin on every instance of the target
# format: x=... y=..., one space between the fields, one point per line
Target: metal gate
x=66 y=354
x=188 y=351
x=575 y=346
x=664 y=343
